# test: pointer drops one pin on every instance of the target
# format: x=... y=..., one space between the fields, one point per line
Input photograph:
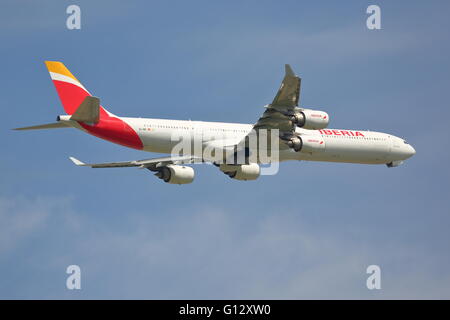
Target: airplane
x=301 y=134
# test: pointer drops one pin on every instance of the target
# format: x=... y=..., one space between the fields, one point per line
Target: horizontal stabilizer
x=88 y=111
x=45 y=126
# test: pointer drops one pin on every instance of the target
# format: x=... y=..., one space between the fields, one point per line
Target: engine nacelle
x=175 y=174
x=306 y=144
x=241 y=172
x=311 y=119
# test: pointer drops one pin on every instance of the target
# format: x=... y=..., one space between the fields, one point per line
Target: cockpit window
x=404 y=141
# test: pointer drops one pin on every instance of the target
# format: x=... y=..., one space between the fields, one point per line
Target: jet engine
x=311 y=119
x=306 y=144
x=175 y=174
x=241 y=172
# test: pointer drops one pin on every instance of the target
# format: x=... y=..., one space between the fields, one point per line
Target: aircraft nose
x=411 y=151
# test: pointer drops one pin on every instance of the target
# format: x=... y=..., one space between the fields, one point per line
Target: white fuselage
x=353 y=146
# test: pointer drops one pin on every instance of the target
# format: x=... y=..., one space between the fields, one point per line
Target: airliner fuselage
x=336 y=145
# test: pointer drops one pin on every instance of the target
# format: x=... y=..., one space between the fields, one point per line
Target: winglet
x=289 y=71
x=77 y=162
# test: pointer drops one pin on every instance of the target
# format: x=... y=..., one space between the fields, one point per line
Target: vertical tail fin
x=70 y=90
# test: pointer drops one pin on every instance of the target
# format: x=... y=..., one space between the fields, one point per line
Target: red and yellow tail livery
x=72 y=95
x=70 y=90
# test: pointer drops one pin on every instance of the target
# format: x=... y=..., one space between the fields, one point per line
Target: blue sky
x=308 y=232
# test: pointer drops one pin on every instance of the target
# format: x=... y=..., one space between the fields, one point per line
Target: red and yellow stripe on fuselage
x=72 y=93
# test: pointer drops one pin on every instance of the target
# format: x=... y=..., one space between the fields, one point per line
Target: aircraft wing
x=151 y=164
x=289 y=92
x=278 y=114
